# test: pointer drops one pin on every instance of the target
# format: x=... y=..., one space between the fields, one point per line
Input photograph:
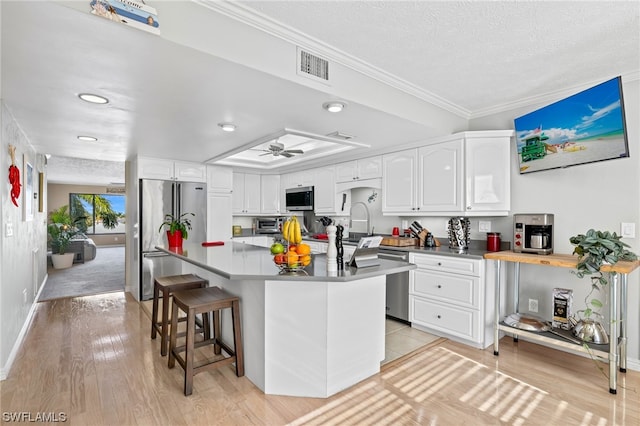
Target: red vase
x=175 y=239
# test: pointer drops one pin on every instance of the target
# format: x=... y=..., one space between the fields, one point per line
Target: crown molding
x=274 y=28
x=550 y=97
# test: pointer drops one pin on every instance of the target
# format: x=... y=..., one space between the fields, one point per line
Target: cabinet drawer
x=460 y=289
x=447 y=264
x=458 y=322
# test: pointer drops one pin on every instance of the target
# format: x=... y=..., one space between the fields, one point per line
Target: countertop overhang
x=238 y=261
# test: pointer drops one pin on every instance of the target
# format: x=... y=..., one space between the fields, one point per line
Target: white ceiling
x=166 y=99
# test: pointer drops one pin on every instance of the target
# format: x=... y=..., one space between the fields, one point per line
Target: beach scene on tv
x=583 y=128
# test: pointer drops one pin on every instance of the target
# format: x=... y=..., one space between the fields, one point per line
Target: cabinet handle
x=439 y=263
x=468 y=207
x=413 y=208
x=439 y=317
x=439 y=286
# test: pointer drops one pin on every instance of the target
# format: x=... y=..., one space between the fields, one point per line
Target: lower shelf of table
x=600 y=351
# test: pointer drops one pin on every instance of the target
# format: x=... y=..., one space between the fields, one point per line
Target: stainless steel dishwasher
x=397 y=286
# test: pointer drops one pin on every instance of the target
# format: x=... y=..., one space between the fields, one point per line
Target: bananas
x=291 y=230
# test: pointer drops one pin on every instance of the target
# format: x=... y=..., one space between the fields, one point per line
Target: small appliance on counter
x=268 y=225
x=459 y=233
x=533 y=233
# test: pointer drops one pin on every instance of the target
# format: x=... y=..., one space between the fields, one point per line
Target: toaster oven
x=268 y=225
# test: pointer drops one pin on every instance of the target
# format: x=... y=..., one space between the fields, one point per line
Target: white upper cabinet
x=219 y=178
x=270 y=194
x=297 y=179
x=366 y=168
x=488 y=176
x=440 y=177
x=157 y=168
x=467 y=174
x=327 y=201
x=399 y=189
x=246 y=194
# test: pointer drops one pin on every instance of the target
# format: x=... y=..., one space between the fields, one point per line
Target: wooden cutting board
x=399 y=241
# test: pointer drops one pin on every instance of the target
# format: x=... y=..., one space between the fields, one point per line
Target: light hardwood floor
x=91 y=358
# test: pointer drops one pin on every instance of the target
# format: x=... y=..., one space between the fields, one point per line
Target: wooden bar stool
x=167 y=286
x=203 y=301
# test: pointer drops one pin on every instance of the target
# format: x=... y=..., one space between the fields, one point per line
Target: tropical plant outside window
x=103 y=213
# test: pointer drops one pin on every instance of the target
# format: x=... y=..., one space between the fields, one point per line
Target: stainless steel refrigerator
x=158 y=198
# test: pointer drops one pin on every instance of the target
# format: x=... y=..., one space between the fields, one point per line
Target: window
x=101 y=213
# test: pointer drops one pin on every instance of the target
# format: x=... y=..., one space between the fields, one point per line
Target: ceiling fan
x=277 y=149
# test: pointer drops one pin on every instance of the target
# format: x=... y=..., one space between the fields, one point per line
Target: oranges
x=296 y=256
x=303 y=249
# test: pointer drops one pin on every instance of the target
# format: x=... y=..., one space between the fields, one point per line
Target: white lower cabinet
x=451 y=297
x=257 y=240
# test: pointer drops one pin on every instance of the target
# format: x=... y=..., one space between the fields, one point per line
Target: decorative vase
x=175 y=239
x=62 y=261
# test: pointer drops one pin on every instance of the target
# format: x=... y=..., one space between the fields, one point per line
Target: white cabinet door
x=488 y=176
x=270 y=194
x=298 y=179
x=219 y=178
x=155 y=168
x=365 y=168
x=252 y=193
x=327 y=199
x=399 y=181
x=219 y=216
x=440 y=177
x=246 y=193
x=346 y=172
x=238 y=193
x=369 y=168
x=189 y=172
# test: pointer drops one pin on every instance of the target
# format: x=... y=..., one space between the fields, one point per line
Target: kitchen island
x=311 y=333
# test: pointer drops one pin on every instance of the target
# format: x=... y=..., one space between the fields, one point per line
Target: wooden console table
x=616 y=351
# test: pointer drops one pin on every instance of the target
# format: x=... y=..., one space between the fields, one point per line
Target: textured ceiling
x=167 y=95
x=478 y=55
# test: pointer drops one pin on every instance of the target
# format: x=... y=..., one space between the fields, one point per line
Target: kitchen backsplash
x=381 y=224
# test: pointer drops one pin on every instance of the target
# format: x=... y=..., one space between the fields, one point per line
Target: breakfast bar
x=310 y=333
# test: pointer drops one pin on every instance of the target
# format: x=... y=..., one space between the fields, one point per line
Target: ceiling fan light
x=334 y=106
x=94 y=99
x=227 y=127
x=87 y=138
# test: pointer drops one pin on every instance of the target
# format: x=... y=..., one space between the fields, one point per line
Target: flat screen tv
x=583 y=128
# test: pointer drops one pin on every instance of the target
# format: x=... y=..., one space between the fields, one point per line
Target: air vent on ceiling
x=315 y=67
x=340 y=135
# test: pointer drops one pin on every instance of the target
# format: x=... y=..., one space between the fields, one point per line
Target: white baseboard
x=633 y=364
x=4 y=371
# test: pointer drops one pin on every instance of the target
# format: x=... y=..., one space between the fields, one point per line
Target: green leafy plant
x=181 y=223
x=61 y=229
x=594 y=249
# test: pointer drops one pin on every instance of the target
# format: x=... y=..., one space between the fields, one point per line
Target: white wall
x=598 y=195
x=21 y=271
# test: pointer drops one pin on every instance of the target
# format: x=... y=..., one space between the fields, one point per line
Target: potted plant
x=594 y=249
x=178 y=228
x=61 y=230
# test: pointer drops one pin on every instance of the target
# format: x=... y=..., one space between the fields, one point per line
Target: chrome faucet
x=368 y=219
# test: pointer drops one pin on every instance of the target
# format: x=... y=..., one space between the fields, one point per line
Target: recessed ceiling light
x=227 y=127
x=87 y=138
x=94 y=99
x=334 y=106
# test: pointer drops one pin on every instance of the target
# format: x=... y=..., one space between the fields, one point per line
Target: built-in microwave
x=299 y=199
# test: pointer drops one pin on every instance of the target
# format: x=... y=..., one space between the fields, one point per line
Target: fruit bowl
x=292 y=261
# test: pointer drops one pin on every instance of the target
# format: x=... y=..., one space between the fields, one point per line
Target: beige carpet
x=104 y=274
